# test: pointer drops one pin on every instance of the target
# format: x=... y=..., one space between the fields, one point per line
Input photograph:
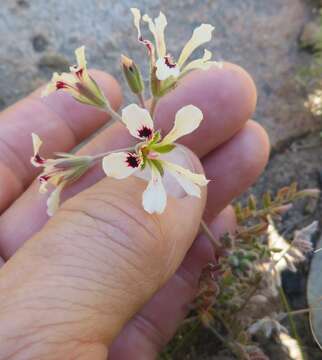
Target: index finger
x=59 y=120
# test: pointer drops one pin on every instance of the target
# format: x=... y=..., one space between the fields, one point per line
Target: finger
x=106 y=255
x=235 y=166
x=58 y=119
x=150 y=330
x=222 y=119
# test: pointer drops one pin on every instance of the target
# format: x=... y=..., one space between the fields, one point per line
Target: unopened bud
x=133 y=75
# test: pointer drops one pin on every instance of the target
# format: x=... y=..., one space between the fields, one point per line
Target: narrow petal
x=157 y=28
x=165 y=69
x=36 y=142
x=138 y=121
x=53 y=200
x=36 y=160
x=80 y=57
x=187 y=120
x=203 y=64
x=64 y=81
x=137 y=19
x=121 y=165
x=201 y=35
x=154 y=198
x=189 y=181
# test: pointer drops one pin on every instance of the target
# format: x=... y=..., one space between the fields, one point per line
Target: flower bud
x=133 y=75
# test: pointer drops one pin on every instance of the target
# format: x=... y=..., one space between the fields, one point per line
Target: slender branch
x=114 y=115
x=101 y=155
x=141 y=100
x=235 y=349
x=291 y=320
x=205 y=229
x=187 y=338
x=153 y=105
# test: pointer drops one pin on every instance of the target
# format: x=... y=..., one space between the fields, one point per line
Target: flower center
x=168 y=60
x=132 y=160
x=145 y=132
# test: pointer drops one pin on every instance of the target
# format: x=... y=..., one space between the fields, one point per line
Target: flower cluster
x=152 y=148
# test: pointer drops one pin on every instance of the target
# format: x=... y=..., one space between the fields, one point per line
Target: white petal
x=201 y=35
x=81 y=60
x=138 y=121
x=117 y=165
x=54 y=200
x=36 y=142
x=164 y=71
x=203 y=64
x=187 y=120
x=154 y=198
x=157 y=28
x=137 y=19
x=190 y=181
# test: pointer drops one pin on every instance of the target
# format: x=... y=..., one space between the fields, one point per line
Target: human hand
x=102 y=276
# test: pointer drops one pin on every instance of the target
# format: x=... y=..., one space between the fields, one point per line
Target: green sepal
x=160 y=88
x=163 y=149
x=158 y=166
x=156 y=137
x=133 y=76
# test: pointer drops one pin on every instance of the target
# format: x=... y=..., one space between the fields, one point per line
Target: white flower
x=166 y=67
x=59 y=172
x=78 y=83
x=149 y=152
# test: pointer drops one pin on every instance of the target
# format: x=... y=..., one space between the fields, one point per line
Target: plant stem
x=114 y=115
x=204 y=228
x=99 y=156
x=141 y=100
x=153 y=105
x=236 y=350
x=188 y=337
x=291 y=320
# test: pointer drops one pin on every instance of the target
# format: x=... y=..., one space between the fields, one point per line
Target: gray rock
x=260 y=35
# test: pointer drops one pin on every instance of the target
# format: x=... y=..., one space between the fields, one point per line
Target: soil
x=260 y=35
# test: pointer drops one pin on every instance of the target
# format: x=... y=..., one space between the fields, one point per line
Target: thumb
x=74 y=285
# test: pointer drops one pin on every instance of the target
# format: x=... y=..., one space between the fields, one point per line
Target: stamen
x=145 y=132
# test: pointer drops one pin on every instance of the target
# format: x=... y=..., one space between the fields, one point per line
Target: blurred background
x=276 y=41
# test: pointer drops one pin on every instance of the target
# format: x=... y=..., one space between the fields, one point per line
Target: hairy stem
x=291 y=320
x=101 y=155
x=153 y=105
x=205 y=229
x=141 y=100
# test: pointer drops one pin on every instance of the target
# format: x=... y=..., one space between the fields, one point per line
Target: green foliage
x=231 y=290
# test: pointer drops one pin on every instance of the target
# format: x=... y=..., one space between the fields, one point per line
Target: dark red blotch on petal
x=169 y=62
x=145 y=132
x=60 y=85
x=133 y=160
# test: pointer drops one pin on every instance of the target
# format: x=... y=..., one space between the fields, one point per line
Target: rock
x=259 y=35
x=309 y=35
x=39 y=43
